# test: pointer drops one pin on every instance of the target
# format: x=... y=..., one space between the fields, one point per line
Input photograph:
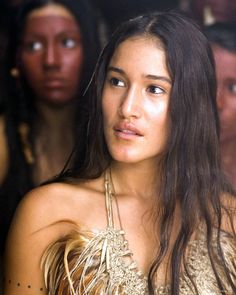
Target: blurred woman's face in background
x=51 y=54
x=226 y=96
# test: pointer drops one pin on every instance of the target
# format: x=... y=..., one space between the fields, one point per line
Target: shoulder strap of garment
x=108 y=198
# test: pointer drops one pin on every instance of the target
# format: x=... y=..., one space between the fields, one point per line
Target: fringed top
x=101 y=264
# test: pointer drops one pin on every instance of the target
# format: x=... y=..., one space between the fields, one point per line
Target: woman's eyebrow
x=115 y=69
x=149 y=76
x=156 y=77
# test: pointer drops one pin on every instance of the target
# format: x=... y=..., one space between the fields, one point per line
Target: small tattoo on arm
x=18 y=284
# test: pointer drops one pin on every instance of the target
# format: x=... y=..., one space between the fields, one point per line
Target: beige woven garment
x=85 y=262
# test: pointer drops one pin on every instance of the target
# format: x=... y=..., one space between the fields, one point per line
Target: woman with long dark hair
x=148 y=211
x=222 y=37
x=53 y=48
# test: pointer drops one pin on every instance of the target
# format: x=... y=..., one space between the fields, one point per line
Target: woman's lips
x=54 y=83
x=127 y=131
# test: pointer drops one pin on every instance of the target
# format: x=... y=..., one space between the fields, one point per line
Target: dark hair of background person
x=3 y=44
x=222 y=34
x=19 y=103
x=114 y=12
x=191 y=172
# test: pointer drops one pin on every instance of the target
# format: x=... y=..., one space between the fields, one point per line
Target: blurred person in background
x=207 y=12
x=53 y=48
x=223 y=41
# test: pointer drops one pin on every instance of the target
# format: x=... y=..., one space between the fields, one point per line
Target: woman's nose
x=51 y=56
x=131 y=104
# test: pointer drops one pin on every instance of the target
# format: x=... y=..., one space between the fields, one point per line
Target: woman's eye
x=232 y=88
x=34 y=46
x=117 y=82
x=155 y=89
x=69 y=43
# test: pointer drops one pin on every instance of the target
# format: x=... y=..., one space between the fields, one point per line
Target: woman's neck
x=140 y=180
x=55 y=119
x=54 y=140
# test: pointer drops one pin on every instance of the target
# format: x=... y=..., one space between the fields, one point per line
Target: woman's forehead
x=51 y=10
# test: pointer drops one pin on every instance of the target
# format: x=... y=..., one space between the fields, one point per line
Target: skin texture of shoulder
x=44 y=215
x=3 y=150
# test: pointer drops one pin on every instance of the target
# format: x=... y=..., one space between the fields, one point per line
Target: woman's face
x=226 y=95
x=51 y=54
x=135 y=101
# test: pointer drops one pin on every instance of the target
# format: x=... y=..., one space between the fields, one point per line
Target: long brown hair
x=191 y=172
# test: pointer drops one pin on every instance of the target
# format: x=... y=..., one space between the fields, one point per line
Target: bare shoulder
x=52 y=203
x=4 y=157
x=38 y=208
x=28 y=237
x=44 y=215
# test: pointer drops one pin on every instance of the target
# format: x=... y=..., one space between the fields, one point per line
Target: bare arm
x=46 y=214
x=23 y=274
x=32 y=230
